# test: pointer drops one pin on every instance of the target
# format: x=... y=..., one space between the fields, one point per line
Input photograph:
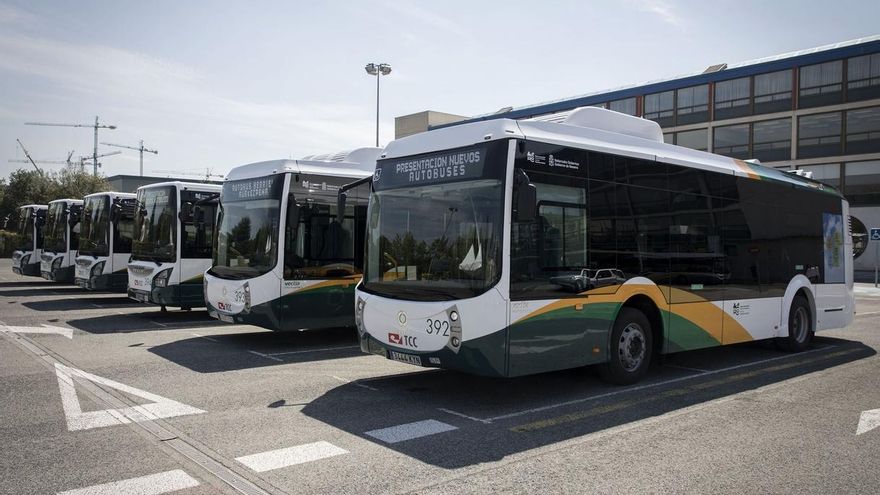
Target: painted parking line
x=290 y=456
x=409 y=431
x=322 y=349
x=204 y=337
x=154 y=484
x=266 y=356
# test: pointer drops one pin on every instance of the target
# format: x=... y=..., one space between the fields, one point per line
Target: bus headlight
x=247 y=297
x=454 y=329
x=98 y=269
x=359 y=316
x=161 y=278
x=25 y=259
x=56 y=265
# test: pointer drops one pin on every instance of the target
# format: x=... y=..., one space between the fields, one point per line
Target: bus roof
x=196 y=186
x=36 y=207
x=69 y=201
x=354 y=164
x=593 y=129
x=112 y=194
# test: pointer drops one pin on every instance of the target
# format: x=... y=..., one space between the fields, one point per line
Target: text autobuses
x=430 y=169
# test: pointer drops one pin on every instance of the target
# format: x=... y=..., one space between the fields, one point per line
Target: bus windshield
x=56 y=228
x=435 y=242
x=247 y=227
x=95 y=226
x=155 y=225
x=25 y=229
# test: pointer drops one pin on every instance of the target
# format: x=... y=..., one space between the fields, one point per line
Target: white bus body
x=502 y=216
x=173 y=229
x=106 y=229
x=26 y=257
x=61 y=240
x=282 y=258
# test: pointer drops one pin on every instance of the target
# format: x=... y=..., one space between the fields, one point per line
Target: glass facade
x=821 y=84
x=692 y=105
x=697 y=139
x=773 y=92
x=659 y=108
x=863 y=77
x=732 y=141
x=627 y=106
x=819 y=135
x=863 y=131
x=733 y=98
x=771 y=140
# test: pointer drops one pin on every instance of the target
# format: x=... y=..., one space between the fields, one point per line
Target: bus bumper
x=30 y=270
x=178 y=296
x=60 y=275
x=111 y=282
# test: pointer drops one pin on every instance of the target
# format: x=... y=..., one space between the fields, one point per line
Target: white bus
x=61 y=240
x=173 y=231
x=106 y=229
x=26 y=257
x=283 y=257
x=478 y=236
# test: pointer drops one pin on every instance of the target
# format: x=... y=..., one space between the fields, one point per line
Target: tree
x=32 y=187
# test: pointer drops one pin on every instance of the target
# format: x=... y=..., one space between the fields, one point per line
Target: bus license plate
x=404 y=358
x=226 y=318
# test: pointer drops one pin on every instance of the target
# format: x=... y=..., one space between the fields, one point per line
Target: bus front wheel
x=800 y=326
x=630 y=348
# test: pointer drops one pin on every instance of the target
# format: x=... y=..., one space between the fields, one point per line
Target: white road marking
x=684 y=368
x=160 y=407
x=462 y=415
x=160 y=324
x=868 y=313
x=868 y=420
x=51 y=329
x=96 y=305
x=206 y=338
x=267 y=356
x=343 y=380
x=316 y=350
x=154 y=484
x=409 y=431
x=290 y=456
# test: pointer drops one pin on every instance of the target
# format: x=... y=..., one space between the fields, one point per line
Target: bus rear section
x=61 y=238
x=106 y=229
x=522 y=255
x=29 y=241
x=285 y=256
x=173 y=229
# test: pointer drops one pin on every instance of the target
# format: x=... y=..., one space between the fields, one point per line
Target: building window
x=692 y=105
x=819 y=135
x=828 y=173
x=732 y=141
x=863 y=131
x=863 y=77
x=697 y=139
x=821 y=84
x=659 y=107
x=773 y=92
x=627 y=106
x=732 y=98
x=771 y=140
x=668 y=138
x=862 y=183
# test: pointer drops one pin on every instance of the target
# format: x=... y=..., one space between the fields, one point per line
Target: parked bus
x=26 y=257
x=61 y=240
x=173 y=231
x=471 y=226
x=284 y=258
x=106 y=229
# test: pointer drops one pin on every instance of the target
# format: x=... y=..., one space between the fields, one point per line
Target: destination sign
x=434 y=168
x=253 y=189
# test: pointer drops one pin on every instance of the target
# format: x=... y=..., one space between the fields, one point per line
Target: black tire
x=800 y=327
x=628 y=364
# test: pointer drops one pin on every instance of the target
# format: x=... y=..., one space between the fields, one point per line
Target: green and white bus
x=61 y=240
x=26 y=257
x=285 y=257
x=486 y=241
x=173 y=231
x=106 y=229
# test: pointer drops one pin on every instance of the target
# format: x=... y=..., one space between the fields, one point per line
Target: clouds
x=661 y=9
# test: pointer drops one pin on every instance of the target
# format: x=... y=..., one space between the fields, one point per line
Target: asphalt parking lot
x=101 y=394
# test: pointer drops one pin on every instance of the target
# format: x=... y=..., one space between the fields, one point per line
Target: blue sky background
x=219 y=84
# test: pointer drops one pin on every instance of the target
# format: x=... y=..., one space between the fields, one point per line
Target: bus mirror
x=292 y=213
x=186 y=211
x=526 y=202
x=115 y=212
x=340 y=206
x=198 y=214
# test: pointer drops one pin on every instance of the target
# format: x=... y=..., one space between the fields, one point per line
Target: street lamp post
x=377 y=70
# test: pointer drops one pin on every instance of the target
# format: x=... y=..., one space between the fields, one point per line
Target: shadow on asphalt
x=501 y=419
x=45 y=291
x=85 y=302
x=150 y=320
x=248 y=349
x=36 y=282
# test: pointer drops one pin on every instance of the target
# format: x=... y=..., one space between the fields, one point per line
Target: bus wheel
x=630 y=350
x=800 y=327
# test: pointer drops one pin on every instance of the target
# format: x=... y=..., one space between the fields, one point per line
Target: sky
x=213 y=85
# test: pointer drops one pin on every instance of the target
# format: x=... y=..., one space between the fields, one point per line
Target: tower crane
x=67 y=162
x=84 y=160
x=28 y=155
x=140 y=148
x=207 y=175
x=97 y=125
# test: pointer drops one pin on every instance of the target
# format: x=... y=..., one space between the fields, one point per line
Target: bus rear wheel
x=800 y=327
x=630 y=349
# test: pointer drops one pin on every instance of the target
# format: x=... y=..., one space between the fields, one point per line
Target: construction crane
x=97 y=125
x=207 y=175
x=140 y=148
x=28 y=155
x=67 y=162
x=83 y=160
